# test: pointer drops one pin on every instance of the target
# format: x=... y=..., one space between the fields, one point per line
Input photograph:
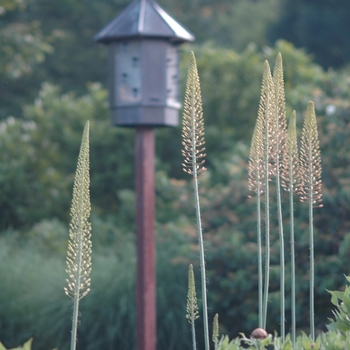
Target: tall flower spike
x=215 y=336
x=256 y=164
x=79 y=244
x=193 y=148
x=266 y=113
x=290 y=171
x=192 y=307
x=279 y=135
x=310 y=188
x=193 y=123
x=259 y=173
x=266 y=118
x=279 y=138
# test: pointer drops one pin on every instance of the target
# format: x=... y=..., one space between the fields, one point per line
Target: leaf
x=28 y=344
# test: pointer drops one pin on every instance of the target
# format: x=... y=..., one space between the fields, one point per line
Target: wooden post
x=146 y=281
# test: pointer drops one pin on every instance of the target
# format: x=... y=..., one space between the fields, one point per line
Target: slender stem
x=193 y=141
x=194 y=346
x=311 y=237
x=74 y=323
x=280 y=229
x=199 y=221
x=292 y=253
x=260 y=281
x=293 y=173
x=312 y=273
x=77 y=294
x=267 y=234
x=201 y=258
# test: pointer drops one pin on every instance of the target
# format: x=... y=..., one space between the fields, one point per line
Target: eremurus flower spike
x=278 y=142
x=310 y=187
x=193 y=123
x=193 y=152
x=266 y=113
x=259 y=174
x=215 y=336
x=79 y=244
x=192 y=306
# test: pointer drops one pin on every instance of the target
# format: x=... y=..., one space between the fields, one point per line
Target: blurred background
x=52 y=79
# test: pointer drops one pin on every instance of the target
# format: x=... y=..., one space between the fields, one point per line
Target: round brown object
x=259 y=333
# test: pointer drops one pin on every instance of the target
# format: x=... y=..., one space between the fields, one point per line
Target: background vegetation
x=52 y=80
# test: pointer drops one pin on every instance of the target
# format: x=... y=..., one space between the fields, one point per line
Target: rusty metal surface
x=146 y=279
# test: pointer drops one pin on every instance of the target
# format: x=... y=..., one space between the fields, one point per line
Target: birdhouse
x=143 y=72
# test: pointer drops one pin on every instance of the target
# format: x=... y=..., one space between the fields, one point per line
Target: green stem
x=267 y=220
x=311 y=237
x=260 y=282
x=194 y=346
x=202 y=261
x=311 y=230
x=280 y=228
x=292 y=253
x=77 y=285
x=267 y=242
x=200 y=235
x=74 y=324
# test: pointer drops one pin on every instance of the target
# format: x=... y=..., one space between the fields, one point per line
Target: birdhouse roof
x=143 y=18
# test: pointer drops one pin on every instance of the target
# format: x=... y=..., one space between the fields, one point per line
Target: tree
x=319 y=26
x=37 y=158
x=23 y=47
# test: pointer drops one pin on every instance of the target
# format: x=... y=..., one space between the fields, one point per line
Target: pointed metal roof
x=143 y=18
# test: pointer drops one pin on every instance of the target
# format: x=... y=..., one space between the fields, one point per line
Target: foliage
x=326 y=341
x=301 y=19
x=57 y=46
x=226 y=344
x=36 y=178
x=341 y=300
x=26 y=346
x=32 y=302
x=220 y=21
x=24 y=47
x=73 y=59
